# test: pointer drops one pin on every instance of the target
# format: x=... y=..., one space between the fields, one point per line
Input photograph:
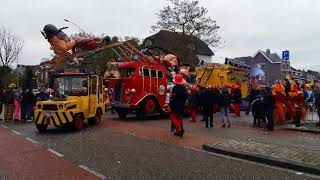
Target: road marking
x=16 y=132
x=5 y=126
x=55 y=152
x=93 y=172
x=31 y=140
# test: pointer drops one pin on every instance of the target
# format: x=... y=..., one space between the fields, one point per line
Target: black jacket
x=268 y=101
x=208 y=98
x=257 y=107
x=178 y=98
x=8 y=97
x=224 y=99
x=236 y=96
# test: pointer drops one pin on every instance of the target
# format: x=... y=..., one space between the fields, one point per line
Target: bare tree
x=11 y=46
x=188 y=18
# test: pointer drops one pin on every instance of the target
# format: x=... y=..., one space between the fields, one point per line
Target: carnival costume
x=279 y=114
x=296 y=102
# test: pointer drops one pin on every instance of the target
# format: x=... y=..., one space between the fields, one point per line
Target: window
x=71 y=86
x=160 y=74
x=148 y=42
x=126 y=72
x=146 y=72
x=153 y=73
x=93 y=83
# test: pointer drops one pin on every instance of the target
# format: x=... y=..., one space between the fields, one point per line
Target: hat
x=50 y=30
x=179 y=80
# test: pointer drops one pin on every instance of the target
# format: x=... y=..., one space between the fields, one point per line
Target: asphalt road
x=122 y=156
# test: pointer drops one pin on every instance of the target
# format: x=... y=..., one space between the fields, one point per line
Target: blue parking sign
x=285 y=55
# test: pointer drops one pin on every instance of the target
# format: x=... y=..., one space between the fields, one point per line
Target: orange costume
x=296 y=100
x=279 y=113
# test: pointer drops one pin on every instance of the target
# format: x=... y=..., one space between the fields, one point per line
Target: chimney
x=268 y=51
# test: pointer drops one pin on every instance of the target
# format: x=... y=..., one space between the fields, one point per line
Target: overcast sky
x=246 y=25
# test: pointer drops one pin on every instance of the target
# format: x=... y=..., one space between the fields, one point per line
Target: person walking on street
x=209 y=98
x=30 y=99
x=252 y=95
x=178 y=98
x=194 y=102
x=224 y=103
x=8 y=104
x=1 y=102
x=268 y=105
x=17 y=105
x=236 y=99
x=258 y=111
x=23 y=105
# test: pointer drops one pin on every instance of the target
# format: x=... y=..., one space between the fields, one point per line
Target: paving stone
x=305 y=156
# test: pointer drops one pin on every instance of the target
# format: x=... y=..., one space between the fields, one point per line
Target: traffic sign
x=285 y=66
x=285 y=55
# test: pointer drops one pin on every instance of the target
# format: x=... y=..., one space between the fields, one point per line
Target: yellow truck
x=223 y=74
x=75 y=96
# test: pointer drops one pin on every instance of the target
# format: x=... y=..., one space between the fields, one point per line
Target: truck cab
x=141 y=88
x=76 y=96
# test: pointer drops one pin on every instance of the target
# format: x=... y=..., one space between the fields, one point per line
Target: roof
x=236 y=62
x=246 y=60
x=272 y=57
x=166 y=39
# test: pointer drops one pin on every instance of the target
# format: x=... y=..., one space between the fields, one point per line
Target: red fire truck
x=141 y=88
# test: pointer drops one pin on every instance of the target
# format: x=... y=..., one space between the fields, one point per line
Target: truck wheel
x=150 y=105
x=122 y=114
x=42 y=127
x=78 y=122
x=97 y=119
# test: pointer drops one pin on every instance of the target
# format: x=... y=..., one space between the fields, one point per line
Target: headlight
x=133 y=91
x=60 y=106
x=39 y=106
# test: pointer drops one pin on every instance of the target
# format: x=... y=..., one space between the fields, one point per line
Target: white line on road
x=31 y=140
x=5 y=126
x=93 y=172
x=55 y=152
x=16 y=132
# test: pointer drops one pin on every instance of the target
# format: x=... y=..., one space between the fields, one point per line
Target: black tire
x=122 y=114
x=150 y=105
x=97 y=119
x=42 y=127
x=78 y=122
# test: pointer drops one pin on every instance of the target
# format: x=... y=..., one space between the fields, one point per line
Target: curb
x=264 y=159
x=302 y=130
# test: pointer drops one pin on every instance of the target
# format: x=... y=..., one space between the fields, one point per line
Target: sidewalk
x=21 y=159
x=299 y=159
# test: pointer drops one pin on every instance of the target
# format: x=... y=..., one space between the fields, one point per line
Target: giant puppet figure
x=296 y=101
x=63 y=46
x=279 y=113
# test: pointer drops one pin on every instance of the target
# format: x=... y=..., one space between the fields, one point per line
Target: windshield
x=71 y=86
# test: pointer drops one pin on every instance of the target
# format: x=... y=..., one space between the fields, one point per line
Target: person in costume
x=296 y=103
x=209 y=99
x=279 y=115
x=236 y=99
x=178 y=98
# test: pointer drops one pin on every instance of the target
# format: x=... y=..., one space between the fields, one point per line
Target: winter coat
x=43 y=96
x=236 y=96
x=209 y=99
x=29 y=98
x=224 y=99
x=194 y=99
x=257 y=107
x=8 y=97
x=1 y=96
x=316 y=95
x=268 y=101
x=178 y=98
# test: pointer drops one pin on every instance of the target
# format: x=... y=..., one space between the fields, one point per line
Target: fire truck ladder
x=205 y=76
x=124 y=50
